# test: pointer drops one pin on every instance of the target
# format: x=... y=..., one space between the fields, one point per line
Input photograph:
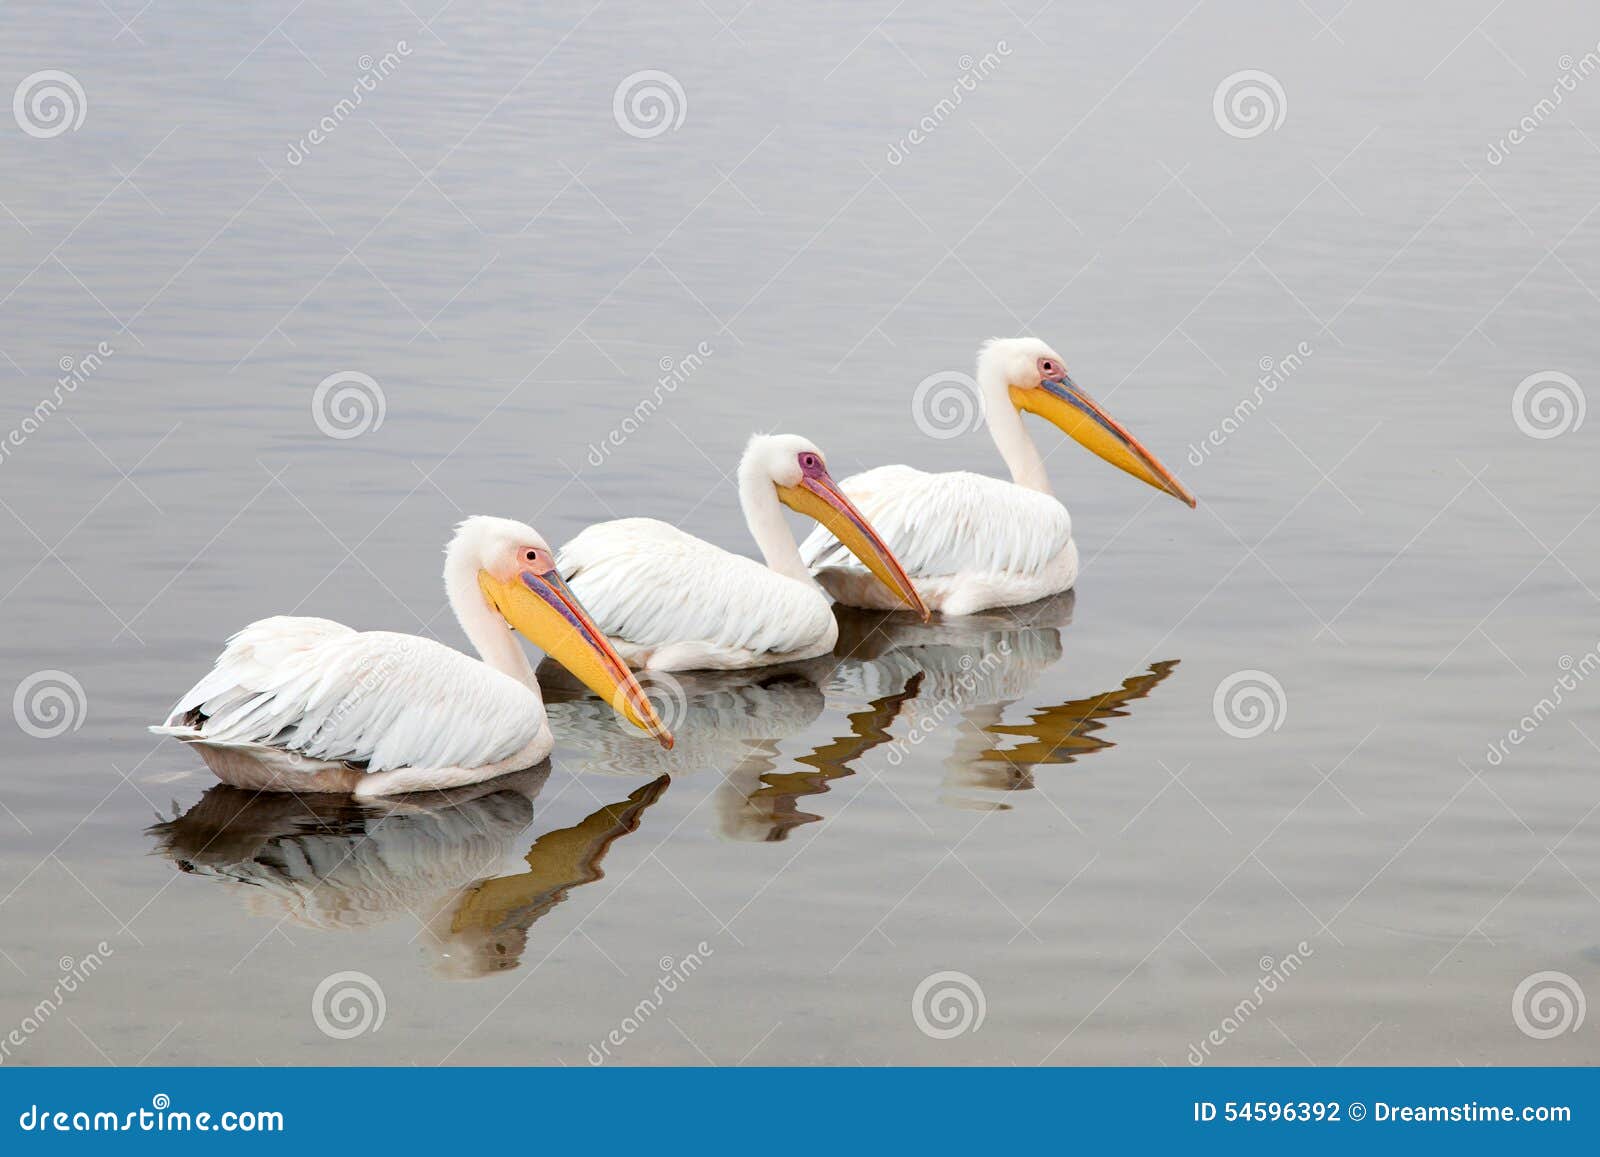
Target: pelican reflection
x=974 y=668
x=898 y=682
x=326 y=862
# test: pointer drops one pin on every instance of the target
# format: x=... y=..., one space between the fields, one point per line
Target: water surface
x=1044 y=802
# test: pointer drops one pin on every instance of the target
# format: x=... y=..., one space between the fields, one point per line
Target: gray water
x=1368 y=880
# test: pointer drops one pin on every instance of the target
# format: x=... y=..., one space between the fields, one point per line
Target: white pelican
x=300 y=704
x=971 y=542
x=673 y=602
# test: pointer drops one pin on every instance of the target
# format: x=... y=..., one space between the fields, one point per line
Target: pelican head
x=1035 y=380
x=515 y=570
x=796 y=468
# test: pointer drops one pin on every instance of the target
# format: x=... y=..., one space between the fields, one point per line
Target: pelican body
x=305 y=704
x=670 y=601
x=971 y=542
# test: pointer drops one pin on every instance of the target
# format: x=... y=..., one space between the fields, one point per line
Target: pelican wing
x=946 y=524
x=650 y=584
x=385 y=700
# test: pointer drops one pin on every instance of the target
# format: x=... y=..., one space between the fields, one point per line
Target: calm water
x=1044 y=802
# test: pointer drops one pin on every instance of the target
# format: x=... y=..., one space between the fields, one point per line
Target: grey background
x=511 y=267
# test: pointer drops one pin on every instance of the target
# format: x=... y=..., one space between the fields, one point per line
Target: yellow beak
x=542 y=607
x=818 y=496
x=1066 y=406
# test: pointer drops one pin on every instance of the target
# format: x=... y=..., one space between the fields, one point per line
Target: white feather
x=323 y=691
x=659 y=593
x=949 y=524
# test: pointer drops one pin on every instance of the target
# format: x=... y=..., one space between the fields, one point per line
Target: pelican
x=302 y=704
x=673 y=602
x=971 y=542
